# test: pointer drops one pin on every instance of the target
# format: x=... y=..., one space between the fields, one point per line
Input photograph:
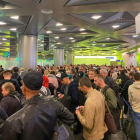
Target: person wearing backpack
x=92 y=114
x=110 y=97
x=11 y=101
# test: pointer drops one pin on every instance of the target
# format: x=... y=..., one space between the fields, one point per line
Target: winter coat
x=36 y=120
x=10 y=103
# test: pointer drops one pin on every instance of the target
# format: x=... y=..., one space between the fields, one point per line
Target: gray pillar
x=70 y=58
x=27 y=52
x=58 y=57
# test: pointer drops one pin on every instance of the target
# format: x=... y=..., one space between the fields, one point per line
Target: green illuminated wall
x=97 y=61
x=138 y=59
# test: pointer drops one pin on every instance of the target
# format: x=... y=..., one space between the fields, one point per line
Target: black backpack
x=81 y=98
x=51 y=88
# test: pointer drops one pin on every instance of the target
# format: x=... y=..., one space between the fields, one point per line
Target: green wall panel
x=87 y=61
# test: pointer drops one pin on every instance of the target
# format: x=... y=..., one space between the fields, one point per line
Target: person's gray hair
x=104 y=71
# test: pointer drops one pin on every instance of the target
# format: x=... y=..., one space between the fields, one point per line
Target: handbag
x=109 y=120
x=62 y=132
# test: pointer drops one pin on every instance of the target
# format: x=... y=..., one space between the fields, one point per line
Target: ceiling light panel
x=14 y=17
x=82 y=29
x=59 y=24
x=96 y=17
x=48 y=32
x=13 y=29
x=2 y=23
x=63 y=29
x=115 y=26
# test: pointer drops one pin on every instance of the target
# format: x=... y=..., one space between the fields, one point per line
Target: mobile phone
x=77 y=108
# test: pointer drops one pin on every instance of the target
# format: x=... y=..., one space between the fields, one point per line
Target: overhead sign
x=118 y=60
x=13 y=43
x=46 y=43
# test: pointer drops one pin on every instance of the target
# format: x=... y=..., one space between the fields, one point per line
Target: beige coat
x=134 y=96
x=93 y=117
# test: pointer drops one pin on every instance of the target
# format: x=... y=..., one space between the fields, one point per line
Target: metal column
x=58 y=57
x=27 y=52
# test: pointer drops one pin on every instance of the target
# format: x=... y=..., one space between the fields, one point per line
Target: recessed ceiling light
x=96 y=16
x=63 y=29
x=58 y=43
x=46 y=11
x=59 y=24
x=51 y=53
x=15 y=17
x=73 y=41
x=57 y=37
x=83 y=33
x=4 y=39
x=93 y=44
x=82 y=29
x=42 y=45
x=71 y=38
x=42 y=41
x=135 y=35
x=115 y=26
x=103 y=45
x=70 y=47
x=107 y=38
x=2 y=23
x=0 y=43
x=13 y=29
x=52 y=45
x=48 y=32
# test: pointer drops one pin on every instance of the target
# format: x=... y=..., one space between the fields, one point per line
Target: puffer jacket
x=11 y=103
x=36 y=120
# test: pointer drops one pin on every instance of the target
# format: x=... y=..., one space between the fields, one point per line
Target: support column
x=129 y=59
x=58 y=57
x=70 y=58
x=27 y=52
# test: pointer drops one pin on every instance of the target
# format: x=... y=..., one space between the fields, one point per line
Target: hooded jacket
x=134 y=96
x=36 y=120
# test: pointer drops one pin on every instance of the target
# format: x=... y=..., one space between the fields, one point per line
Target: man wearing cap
x=71 y=92
x=15 y=75
x=38 y=117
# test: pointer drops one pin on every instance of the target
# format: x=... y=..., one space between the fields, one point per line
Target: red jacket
x=45 y=81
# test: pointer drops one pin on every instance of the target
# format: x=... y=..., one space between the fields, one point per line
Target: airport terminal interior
x=69 y=69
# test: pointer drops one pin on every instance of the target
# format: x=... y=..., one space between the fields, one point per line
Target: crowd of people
x=64 y=101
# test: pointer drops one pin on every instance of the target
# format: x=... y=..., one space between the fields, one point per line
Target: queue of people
x=33 y=102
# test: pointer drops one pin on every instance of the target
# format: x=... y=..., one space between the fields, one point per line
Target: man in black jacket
x=70 y=94
x=7 y=74
x=38 y=117
x=123 y=78
x=124 y=92
x=15 y=75
x=109 y=81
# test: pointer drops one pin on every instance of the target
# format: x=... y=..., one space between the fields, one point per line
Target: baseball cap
x=63 y=75
x=33 y=80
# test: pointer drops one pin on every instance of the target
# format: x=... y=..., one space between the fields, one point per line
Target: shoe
x=125 y=116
